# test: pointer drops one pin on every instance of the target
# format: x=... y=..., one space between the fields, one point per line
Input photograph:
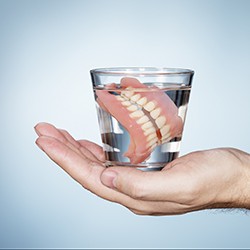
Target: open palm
x=199 y=180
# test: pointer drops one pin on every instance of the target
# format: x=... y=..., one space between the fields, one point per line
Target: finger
x=51 y=131
x=162 y=208
x=80 y=168
x=149 y=186
x=152 y=207
x=88 y=173
x=83 y=150
x=64 y=156
x=94 y=148
x=70 y=138
x=85 y=147
x=87 y=153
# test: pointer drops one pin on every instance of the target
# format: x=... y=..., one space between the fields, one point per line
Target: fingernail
x=36 y=130
x=40 y=127
x=108 y=178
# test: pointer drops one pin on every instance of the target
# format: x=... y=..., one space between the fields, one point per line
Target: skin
x=216 y=178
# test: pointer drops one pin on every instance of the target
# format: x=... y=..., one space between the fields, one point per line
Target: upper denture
x=151 y=118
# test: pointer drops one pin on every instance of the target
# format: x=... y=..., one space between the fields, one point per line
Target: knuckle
x=137 y=191
x=147 y=211
x=138 y=212
x=192 y=193
x=63 y=130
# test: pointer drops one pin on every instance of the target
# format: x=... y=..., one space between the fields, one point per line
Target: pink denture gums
x=148 y=114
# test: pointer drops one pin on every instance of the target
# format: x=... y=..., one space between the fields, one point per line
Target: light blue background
x=46 y=51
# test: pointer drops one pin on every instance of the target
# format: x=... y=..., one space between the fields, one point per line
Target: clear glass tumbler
x=141 y=113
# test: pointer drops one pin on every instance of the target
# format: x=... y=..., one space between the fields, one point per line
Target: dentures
x=150 y=116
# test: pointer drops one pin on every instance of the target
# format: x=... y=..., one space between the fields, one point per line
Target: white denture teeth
x=135 y=98
x=160 y=121
x=155 y=113
x=143 y=119
x=165 y=130
x=119 y=98
x=136 y=114
x=132 y=108
x=126 y=103
x=147 y=125
x=142 y=101
x=138 y=106
x=127 y=93
x=166 y=137
x=149 y=106
x=152 y=142
x=151 y=137
x=149 y=131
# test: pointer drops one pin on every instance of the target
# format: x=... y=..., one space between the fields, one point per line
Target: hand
x=217 y=178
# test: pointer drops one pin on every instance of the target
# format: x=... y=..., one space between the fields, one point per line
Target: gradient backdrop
x=46 y=51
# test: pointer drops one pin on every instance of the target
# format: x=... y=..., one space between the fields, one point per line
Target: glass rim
x=142 y=71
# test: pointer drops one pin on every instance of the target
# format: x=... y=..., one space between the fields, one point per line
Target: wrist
x=235 y=189
x=240 y=190
x=244 y=200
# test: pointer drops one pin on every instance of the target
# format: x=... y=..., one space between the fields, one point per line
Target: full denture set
x=150 y=116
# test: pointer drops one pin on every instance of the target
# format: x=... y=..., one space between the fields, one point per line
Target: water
x=127 y=115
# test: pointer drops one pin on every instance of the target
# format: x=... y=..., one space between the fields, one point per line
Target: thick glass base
x=144 y=167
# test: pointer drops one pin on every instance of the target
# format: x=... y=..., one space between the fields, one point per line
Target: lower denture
x=134 y=111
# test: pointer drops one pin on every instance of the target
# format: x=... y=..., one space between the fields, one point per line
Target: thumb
x=138 y=184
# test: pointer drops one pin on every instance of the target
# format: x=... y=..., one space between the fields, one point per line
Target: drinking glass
x=141 y=113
